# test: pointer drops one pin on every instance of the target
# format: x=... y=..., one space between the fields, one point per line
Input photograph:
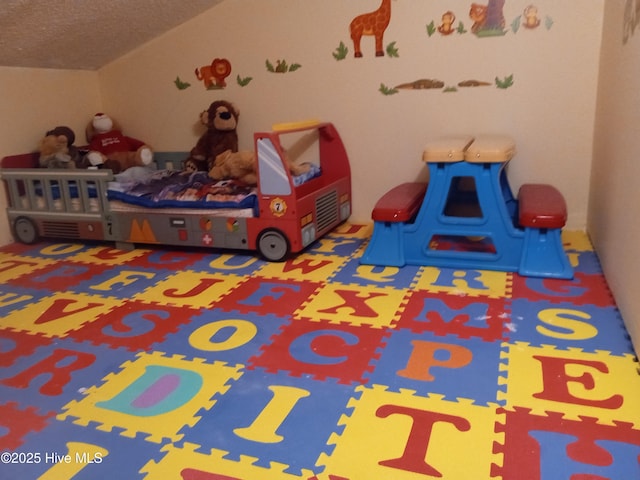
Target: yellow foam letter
x=264 y=427
x=565 y=328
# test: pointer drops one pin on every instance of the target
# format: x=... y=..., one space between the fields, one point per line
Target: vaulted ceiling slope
x=85 y=34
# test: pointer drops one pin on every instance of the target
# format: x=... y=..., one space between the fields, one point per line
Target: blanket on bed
x=171 y=188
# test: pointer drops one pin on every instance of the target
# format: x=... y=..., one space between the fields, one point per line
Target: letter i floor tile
x=159 y=363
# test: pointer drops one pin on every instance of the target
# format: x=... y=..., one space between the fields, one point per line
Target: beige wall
x=549 y=110
x=36 y=100
x=615 y=186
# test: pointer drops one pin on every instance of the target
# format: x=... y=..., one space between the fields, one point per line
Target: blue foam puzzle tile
x=588 y=263
x=444 y=365
x=57 y=373
x=335 y=245
x=565 y=325
x=13 y=298
x=274 y=418
x=367 y=275
x=236 y=264
x=122 y=282
x=556 y=462
x=216 y=335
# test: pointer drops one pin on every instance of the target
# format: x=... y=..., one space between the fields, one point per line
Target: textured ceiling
x=85 y=34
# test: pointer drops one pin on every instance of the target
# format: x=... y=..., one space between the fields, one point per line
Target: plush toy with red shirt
x=110 y=148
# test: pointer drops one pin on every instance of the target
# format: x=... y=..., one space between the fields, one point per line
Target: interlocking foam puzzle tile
x=16 y=423
x=122 y=282
x=103 y=254
x=480 y=283
x=575 y=240
x=190 y=289
x=353 y=304
x=315 y=268
x=350 y=230
x=370 y=275
x=59 y=276
x=336 y=245
x=99 y=253
x=461 y=315
x=265 y=296
x=218 y=335
x=17 y=298
x=586 y=263
x=458 y=243
x=188 y=464
x=49 y=250
x=446 y=365
x=240 y=264
x=134 y=325
x=582 y=290
x=56 y=373
x=12 y=267
x=170 y=258
x=575 y=383
x=401 y=436
x=551 y=446
x=566 y=325
x=329 y=477
x=270 y=417
x=14 y=345
x=305 y=348
x=168 y=388
x=92 y=454
x=20 y=249
x=57 y=314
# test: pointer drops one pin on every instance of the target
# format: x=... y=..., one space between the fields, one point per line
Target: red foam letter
x=58 y=310
x=197 y=290
x=59 y=376
x=355 y=303
x=415 y=452
x=555 y=380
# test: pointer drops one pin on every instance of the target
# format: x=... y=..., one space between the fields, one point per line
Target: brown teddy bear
x=239 y=166
x=109 y=148
x=242 y=166
x=221 y=120
x=57 y=150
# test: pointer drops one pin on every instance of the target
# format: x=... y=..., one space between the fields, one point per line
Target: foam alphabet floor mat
x=158 y=363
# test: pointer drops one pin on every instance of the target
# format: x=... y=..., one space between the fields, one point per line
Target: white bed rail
x=56 y=192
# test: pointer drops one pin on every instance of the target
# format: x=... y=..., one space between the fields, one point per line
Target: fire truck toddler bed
x=281 y=215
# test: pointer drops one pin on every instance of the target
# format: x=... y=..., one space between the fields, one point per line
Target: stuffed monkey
x=221 y=120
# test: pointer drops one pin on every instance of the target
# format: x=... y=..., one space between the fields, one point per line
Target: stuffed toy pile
x=110 y=148
x=235 y=165
x=57 y=150
x=217 y=149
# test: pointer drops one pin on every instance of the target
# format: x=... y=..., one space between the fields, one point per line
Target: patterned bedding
x=175 y=189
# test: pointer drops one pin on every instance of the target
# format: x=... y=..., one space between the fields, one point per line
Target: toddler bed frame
x=285 y=218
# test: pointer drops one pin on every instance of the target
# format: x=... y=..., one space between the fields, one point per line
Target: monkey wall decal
x=446 y=26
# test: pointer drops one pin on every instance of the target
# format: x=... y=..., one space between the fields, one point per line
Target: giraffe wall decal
x=371 y=24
